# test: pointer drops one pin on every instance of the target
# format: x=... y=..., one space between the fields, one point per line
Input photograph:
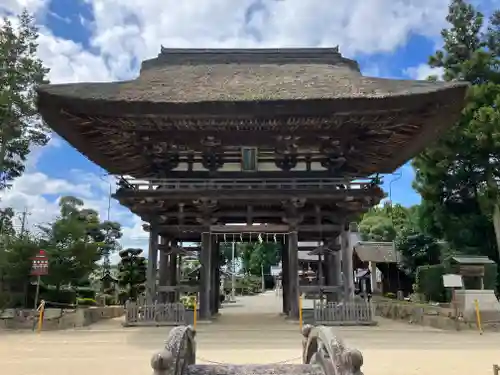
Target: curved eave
x=60 y=97
x=449 y=98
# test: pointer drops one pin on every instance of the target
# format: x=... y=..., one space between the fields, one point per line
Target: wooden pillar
x=347 y=265
x=152 y=263
x=284 y=276
x=172 y=272
x=163 y=271
x=179 y=269
x=214 y=261
x=293 y=272
x=373 y=277
x=205 y=277
x=333 y=273
x=217 y=278
x=337 y=272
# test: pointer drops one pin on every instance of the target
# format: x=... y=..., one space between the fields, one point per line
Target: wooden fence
x=143 y=314
x=344 y=313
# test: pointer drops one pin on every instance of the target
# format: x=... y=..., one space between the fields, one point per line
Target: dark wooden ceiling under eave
x=186 y=94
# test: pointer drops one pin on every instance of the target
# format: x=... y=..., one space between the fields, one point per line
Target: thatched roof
x=379 y=252
x=250 y=96
x=180 y=76
x=472 y=259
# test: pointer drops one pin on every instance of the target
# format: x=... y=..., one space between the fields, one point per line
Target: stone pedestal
x=489 y=306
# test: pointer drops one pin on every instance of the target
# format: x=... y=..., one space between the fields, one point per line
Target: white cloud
x=423 y=71
x=17 y=6
x=38 y=195
x=123 y=34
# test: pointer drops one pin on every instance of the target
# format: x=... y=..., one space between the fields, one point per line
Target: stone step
x=270 y=369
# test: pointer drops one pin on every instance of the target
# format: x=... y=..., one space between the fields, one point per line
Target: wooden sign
x=40 y=264
x=275 y=270
x=452 y=281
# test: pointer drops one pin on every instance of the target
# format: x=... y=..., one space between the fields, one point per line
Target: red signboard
x=40 y=264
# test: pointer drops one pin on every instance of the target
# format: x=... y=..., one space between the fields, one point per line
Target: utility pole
x=233 y=273
x=24 y=215
x=262 y=276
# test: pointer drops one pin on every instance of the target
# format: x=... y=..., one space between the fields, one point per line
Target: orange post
x=301 y=322
x=41 y=311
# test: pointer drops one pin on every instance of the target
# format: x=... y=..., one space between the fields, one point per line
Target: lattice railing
x=246 y=184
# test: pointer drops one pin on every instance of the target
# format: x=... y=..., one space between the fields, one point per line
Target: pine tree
x=458 y=176
x=21 y=71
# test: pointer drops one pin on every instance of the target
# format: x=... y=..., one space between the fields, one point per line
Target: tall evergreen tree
x=458 y=176
x=21 y=71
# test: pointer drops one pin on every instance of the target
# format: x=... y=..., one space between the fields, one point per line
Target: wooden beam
x=262 y=174
x=222 y=213
x=249 y=195
x=272 y=228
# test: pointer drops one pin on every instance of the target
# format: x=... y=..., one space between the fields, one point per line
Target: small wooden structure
x=471 y=268
x=383 y=256
x=142 y=313
x=344 y=313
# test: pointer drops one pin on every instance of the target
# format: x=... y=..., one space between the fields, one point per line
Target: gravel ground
x=249 y=331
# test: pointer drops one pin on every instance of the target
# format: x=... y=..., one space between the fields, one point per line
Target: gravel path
x=250 y=331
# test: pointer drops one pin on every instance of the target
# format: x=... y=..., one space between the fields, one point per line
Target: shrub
x=490 y=276
x=110 y=299
x=188 y=301
x=86 y=302
x=429 y=282
x=85 y=292
x=123 y=296
x=64 y=296
x=390 y=295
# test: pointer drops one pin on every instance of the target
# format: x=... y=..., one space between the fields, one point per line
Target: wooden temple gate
x=293 y=137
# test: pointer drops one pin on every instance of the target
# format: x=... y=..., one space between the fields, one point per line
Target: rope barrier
x=232 y=364
x=238 y=237
x=60 y=304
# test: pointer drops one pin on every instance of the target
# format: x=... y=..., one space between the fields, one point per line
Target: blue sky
x=101 y=40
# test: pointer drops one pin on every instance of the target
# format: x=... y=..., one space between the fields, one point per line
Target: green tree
x=15 y=266
x=417 y=249
x=6 y=225
x=132 y=272
x=21 y=71
x=258 y=257
x=72 y=244
x=382 y=224
x=377 y=228
x=226 y=252
x=458 y=176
